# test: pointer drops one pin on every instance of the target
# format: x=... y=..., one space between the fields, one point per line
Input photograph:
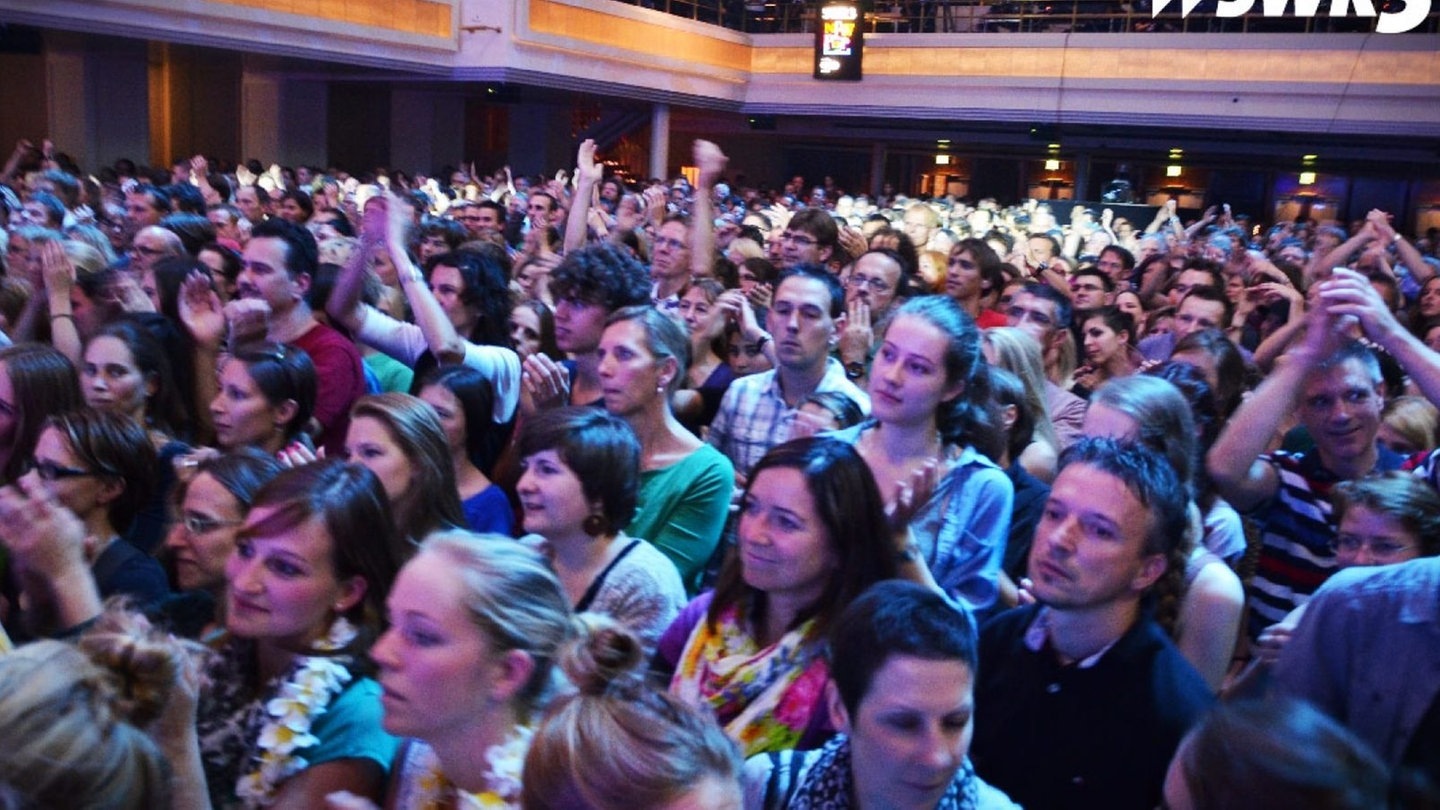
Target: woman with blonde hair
x=617 y=743
x=466 y=666
x=1008 y=348
x=73 y=717
x=399 y=438
x=1408 y=425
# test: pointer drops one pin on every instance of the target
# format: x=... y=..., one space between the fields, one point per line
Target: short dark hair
x=605 y=274
x=820 y=274
x=1064 y=310
x=282 y=372
x=54 y=209
x=1148 y=476
x=159 y=197
x=816 y=222
x=987 y=260
x=1094 y=272
x=114 y=446
x=302 y=255
x=1281 y=752
x=1127 y=259
x=1216 y=274
x=1215 y=294
x=600 y=448
x=301 y=199
x=194 y=230
x=895 y=618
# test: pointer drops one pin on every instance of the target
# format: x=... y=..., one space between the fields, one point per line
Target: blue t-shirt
x=489 y=511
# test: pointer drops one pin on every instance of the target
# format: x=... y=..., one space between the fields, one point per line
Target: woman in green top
x=685 y=484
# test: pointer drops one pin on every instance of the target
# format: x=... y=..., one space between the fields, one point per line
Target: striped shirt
x=1297 y=527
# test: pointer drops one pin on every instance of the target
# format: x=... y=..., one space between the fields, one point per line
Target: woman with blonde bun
x=617 y=743
x=73 y=716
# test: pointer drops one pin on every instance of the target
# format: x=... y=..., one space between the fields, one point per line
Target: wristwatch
x=854 y=371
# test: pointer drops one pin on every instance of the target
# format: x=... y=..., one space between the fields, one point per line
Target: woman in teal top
x=685 y=484
x=287 y=713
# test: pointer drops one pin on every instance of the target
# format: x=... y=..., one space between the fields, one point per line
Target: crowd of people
x=490 y=491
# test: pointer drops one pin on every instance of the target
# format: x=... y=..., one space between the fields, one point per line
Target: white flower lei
x=301 y=699
x=507 y=761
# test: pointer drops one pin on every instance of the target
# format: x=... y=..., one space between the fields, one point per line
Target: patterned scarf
x=827 y=786
x=765 y=698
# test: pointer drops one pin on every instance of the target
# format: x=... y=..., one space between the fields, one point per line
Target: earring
x=594 y=525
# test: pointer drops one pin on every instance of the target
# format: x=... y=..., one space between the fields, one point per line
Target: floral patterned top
x=767 y=698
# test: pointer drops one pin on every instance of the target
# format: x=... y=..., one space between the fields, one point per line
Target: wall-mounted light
x=1307 y=178
x=942 y=160
x=1052 y=165
x=1172 y=170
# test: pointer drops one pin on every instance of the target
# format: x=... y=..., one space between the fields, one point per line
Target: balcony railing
x=1020 y=16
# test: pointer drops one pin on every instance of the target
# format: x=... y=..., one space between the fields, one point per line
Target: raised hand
x=44 y=539
x=545 y=382
x=858 y=335
x=201 y=312
x=56 y=269
x=586 y=169
x=710 y=161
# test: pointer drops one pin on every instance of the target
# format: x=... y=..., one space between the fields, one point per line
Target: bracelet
x=57 y=316
x=761 y=341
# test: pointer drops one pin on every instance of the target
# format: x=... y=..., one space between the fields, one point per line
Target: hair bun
x=141 y=665
x=602 y=655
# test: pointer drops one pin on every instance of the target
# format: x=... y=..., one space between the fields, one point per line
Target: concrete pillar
x=260 y=95
x=659 y=140
x=282 y=120
x=70 y=108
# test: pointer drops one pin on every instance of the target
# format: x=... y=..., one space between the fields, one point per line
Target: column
x=659 y=140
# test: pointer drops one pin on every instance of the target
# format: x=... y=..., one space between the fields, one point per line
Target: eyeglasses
x=146 y=251
x=50 y=471
x=196 y=524
x=799 y=239
x=877 y=285
x=1380 y=548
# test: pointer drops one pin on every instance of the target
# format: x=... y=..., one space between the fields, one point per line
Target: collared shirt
x=754 y=416
x=1367 y=652
x=670 y=305
x=1037 y=638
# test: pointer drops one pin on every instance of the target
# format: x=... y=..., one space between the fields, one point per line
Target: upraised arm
x=711 y=163
x=587 y=178
x=1234 y=461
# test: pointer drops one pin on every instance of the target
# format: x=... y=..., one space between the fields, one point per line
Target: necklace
x=316 y=680
x=506 y=759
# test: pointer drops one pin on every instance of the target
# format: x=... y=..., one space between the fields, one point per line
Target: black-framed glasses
x=50 y=471
x=198 y=524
